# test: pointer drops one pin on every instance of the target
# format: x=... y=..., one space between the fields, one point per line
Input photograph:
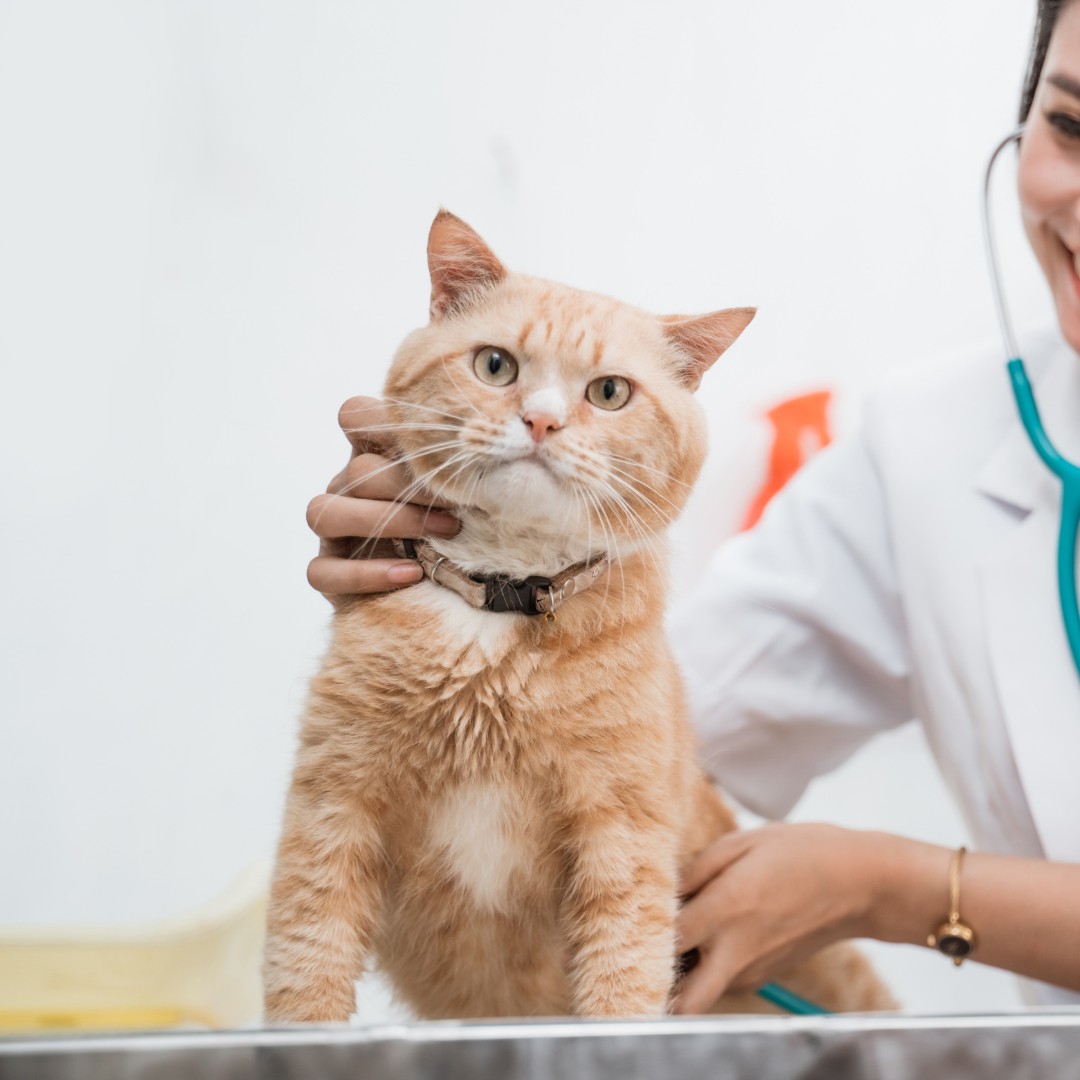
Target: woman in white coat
x=906 y=572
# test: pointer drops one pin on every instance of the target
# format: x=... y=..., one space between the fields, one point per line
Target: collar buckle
x=502 y=594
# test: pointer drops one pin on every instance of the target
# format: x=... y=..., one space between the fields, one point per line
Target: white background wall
x=212 y=225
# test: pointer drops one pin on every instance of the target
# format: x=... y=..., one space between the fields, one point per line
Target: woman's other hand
x=762 y=900
x=362 y=506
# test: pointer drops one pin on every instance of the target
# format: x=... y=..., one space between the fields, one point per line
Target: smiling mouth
x=1072 y=261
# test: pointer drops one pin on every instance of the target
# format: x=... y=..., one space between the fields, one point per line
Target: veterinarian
x=906 y=572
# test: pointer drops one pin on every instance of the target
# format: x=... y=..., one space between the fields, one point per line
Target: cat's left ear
x=702 y=338
x=461 y=265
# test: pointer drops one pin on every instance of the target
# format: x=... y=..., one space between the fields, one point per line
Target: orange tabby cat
x=491 y=804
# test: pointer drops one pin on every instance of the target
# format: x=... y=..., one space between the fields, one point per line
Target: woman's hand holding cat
x=765 y=899
x=362 y=504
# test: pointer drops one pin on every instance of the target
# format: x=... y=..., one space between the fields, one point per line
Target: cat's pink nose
x=540 y=423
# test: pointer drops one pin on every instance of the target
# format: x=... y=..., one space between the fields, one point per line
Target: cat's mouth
x=534 y=458
x=526 y=485
x=544 y=456
x=541 y=466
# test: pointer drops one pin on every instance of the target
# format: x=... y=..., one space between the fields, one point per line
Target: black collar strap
x=498 y=592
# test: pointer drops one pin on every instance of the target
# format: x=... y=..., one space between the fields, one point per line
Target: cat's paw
x=306 y=1006
x=626 y=995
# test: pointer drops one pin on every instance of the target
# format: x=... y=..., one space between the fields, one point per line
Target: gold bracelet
x=954 y=938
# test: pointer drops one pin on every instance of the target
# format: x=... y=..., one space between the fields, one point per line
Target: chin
x=1068 y=318
x=524 y=490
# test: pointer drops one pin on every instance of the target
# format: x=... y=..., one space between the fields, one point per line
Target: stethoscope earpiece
x=1011 y=350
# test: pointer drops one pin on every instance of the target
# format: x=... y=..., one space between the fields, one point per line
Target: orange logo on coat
x=800 y=430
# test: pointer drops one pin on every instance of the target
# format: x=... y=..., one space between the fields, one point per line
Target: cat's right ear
x=702 y=338
x=461 y=265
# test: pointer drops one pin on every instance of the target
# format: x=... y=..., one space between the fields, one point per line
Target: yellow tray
x=195 y=970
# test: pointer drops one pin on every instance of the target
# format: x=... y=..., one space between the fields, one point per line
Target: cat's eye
x=495 y=366
x=611 y=392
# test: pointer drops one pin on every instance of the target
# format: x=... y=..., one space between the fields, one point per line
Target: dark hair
x=1045 y=19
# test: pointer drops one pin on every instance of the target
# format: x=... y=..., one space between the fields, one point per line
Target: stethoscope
x=1061 y=467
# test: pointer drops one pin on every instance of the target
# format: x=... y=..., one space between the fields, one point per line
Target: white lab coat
x=907 y=572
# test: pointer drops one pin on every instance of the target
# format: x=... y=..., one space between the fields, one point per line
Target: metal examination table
x=1039 y=1044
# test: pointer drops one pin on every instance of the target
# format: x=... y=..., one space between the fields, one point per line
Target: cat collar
x=498 y=592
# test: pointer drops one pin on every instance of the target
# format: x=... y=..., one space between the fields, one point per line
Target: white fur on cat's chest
x=477 y=832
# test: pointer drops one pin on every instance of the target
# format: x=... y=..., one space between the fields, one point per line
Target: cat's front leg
x=619 y=916
x=324 y=903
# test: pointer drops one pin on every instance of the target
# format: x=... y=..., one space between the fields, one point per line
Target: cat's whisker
x=462 y=458
x=419 y=484
x=427 y=408
x=571 y=518
x=468 y=460
x=478 y=437
x=619 y=459
x=611 y=543
x=581 y=496
x=582 y=502
x=597 y=477
x=604 y=464
x=403 y=426
x=606 y=471
x=634 y=517
x=605 y=526
x=648 y=541
x=637 y=487
x=403 y=497
x=665 y=517
x=477 y=458
x=406 y=459
x=473 y=485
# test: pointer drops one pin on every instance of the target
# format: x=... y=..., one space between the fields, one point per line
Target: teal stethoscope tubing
x=1061 y=467
x=774 y=993
x=1070 y=503
x=789 y=1002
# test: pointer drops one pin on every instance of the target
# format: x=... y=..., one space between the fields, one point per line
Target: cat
x=493 y=804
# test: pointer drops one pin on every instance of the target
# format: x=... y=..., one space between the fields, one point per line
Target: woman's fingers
x=366 y=502
x=696 y=921
x=707 y=920
x=365 y=422
x=712 y=924
x=700 y=988
x=711 y=860
x=372 y=476
x=332 y=516
x=345 y=577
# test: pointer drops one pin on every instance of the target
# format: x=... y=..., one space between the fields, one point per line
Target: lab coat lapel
x=1037 y=682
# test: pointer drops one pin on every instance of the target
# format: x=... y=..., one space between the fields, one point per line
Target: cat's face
x=550 y=406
